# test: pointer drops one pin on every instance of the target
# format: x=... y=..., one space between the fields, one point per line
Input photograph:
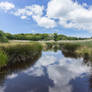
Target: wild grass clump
x=19 y=52
x=80 y=49
x=22 y=48
x=69 y=46
x=3 y=58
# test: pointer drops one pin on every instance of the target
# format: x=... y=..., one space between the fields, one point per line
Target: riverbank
x=11 y=53
x=21 y=51
x=72 y=48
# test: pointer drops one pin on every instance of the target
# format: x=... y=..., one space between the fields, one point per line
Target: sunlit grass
x=3 y=58
x=18 y=51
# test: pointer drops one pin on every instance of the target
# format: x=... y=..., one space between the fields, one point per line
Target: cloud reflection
x=61 y=70
x=51 y=73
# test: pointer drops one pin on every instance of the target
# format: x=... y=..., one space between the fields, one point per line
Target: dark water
x=50 y=72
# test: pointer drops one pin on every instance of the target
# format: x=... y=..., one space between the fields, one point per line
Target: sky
x=68 y=17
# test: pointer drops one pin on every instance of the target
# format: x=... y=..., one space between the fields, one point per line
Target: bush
x=3 y=37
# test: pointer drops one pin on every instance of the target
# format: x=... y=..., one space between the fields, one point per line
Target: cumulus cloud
x=6 y=6
x=44 y=22
x=36 y=12
x=29 y=11
x=70 y=14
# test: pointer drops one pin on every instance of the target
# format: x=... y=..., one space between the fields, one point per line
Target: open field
x=83 y=42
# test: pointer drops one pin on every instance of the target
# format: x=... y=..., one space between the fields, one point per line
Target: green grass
x=73 y=48
x=3 y=58
x=18 y=52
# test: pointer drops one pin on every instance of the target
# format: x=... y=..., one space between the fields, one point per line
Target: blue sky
x=10 y=22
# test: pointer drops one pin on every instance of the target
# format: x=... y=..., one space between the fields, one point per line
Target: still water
x=51 y=72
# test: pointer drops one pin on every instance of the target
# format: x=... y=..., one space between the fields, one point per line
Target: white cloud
x=44 y=22
x=23 y=17
x=36 y=9
x=70 y=14
x=29 y=11
x=36 y=12
x=6 y=6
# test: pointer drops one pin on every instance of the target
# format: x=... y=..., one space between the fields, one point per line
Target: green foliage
x=18 y=53
x=23 y=49
x=55 y=36
x=35 y=37
x=3 y=58
x=3 y=37
x=70 y=46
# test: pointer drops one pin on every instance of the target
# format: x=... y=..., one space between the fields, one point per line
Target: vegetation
x=3 y=58
x=55 y=37
x=37 y=37
x=73 y=49
x=11 y=54
x=20 y=52
x=4 y=37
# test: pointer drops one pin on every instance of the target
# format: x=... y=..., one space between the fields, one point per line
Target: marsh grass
x=18 y=52
x=73 y=48
x=70 y=46
x=3 y=58
x=80 y=49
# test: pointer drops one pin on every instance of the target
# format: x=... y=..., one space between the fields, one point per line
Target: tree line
x=4 y=37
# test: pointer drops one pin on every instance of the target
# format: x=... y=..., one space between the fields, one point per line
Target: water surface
x=52 y=72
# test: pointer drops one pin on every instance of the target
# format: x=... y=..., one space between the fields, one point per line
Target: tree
x=55 y=36
x=3 y=37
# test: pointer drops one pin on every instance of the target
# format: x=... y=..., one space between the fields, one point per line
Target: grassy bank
x=71 y=48
x=78 y=49
x=11 y=53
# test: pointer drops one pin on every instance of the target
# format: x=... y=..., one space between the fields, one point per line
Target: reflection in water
x=25 y=83
x=12 y=69
x=68 y=53
x=53 y=72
